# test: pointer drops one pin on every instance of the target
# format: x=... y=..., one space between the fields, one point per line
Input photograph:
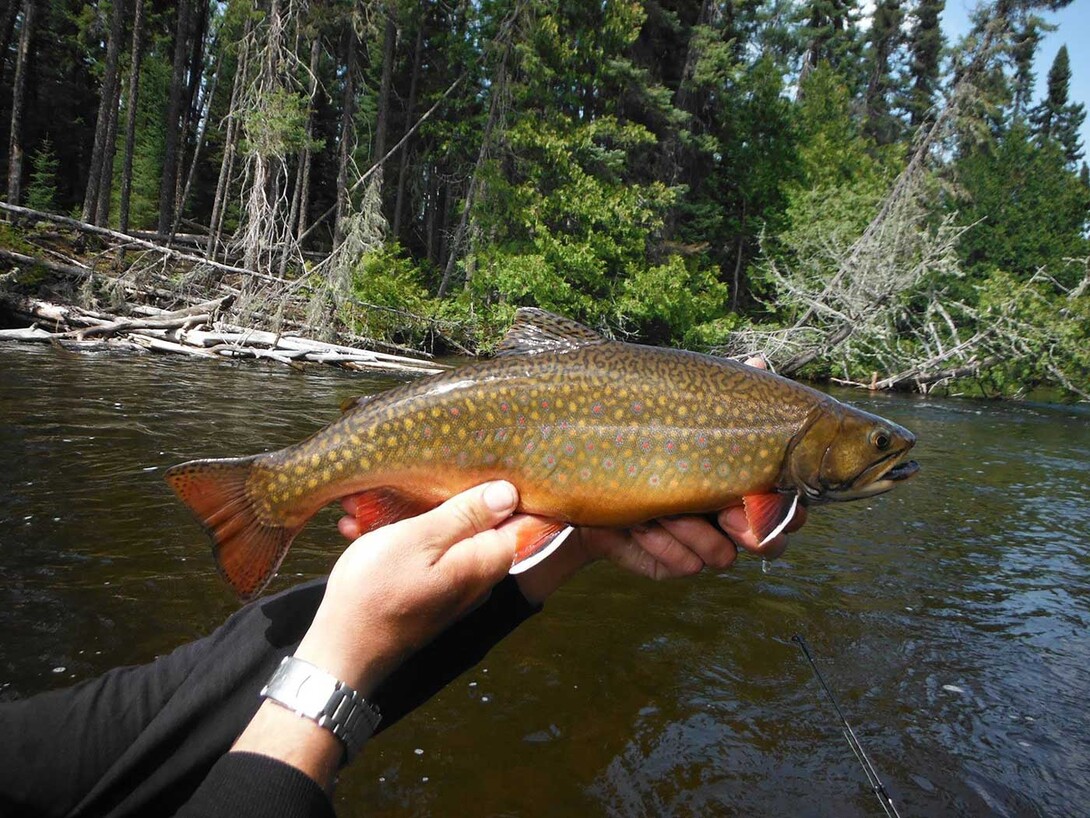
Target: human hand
x=397 y=587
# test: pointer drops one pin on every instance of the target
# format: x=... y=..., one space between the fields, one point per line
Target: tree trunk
x=173 y=125
x=403 y=170
x=302 y=183
x=389 y=39
x=106 y=179
x=499 y=88
x=130 y=114
x=18 y=94
x=202 y=126
x=347 y=130
x=191 y=120
x=230 y=139
x=7 y=29
x=107 y=115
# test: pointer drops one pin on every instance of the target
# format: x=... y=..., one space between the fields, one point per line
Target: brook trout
x=591 y=431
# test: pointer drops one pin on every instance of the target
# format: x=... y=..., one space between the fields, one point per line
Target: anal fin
x=769 y=514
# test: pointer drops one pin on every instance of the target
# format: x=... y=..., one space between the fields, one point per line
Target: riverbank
x=87 y=288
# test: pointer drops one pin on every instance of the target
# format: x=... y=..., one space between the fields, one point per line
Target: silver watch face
x=301 y=687
x=313 y=693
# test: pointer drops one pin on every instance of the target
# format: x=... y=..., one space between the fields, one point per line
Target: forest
x=848 y=192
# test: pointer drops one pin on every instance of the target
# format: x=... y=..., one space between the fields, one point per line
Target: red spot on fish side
x=584 y=474
x=706 y=464
x=505 y=406
x=619 y=439
x=521 y=420
x=597 y=408
x=608 y=463
x=550 y=460
x=702 y=441
x=637 y=407
x=653 y=480
x=670 y=446
x=632 y=469
x=590 y=446
x=569 y=448
x=683 y=465
x=544 y=404
x=530 y=446
x=645 y=444
x=455 y=411
x=501 y=435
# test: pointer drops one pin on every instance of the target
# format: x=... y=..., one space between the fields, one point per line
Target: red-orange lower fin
x=536 y=538
x=247 y=549
x=382 y=506
x=769 y=514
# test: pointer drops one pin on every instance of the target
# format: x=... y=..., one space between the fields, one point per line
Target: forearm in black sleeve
x=142 y=740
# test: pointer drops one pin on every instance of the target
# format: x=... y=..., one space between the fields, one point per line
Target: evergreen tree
x=1023 y=53
x=830 y=29
x=1056 y=119
x=42 y=192
x=885 y=38
x=925 y=45
x=1028 y=209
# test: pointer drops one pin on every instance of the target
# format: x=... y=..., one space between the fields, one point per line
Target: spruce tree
x=925 y=44
x=1055 y=118
x=885 y=38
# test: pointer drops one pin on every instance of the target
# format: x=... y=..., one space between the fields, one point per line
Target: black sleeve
x=249 y=785
x=141 y=740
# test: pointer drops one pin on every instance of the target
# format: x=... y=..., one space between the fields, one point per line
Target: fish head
x=848 y=454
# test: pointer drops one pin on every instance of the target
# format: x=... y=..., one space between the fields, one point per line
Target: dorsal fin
x=536 y=331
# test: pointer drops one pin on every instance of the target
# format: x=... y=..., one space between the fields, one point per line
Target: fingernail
x=499 y=496
x=641 y=528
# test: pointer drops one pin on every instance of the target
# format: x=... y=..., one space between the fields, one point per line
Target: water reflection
x=950 y=616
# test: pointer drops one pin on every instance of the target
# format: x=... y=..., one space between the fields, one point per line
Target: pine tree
x=1055 y=118
x=925 y=44
x=1023 y=52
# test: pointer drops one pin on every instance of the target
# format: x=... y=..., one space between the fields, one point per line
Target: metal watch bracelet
x=310 y=692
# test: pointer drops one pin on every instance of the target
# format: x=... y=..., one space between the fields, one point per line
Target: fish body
x=591 y=431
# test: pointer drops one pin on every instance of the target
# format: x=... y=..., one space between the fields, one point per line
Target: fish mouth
x=878 y=478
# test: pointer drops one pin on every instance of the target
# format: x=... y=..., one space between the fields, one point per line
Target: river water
x=951 y=616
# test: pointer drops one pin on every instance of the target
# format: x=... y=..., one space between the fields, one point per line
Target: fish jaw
x=878 y=479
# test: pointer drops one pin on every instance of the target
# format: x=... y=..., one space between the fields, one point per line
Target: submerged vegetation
x=854 y=196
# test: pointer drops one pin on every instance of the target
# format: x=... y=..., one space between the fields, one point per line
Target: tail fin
x=247 y=549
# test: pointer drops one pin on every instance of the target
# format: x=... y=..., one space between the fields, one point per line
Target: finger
x=736 y=525
x=757 y=362
x=349 y=527
x=486 y=557
x=662 y=554
x=702 y=538
x=797 y=521
x=463 y=515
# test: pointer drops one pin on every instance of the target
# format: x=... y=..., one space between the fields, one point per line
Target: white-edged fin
x=536 y=331
x=544 y=553
x=783 y=523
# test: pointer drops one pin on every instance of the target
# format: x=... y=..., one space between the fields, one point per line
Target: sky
x=1072 y=28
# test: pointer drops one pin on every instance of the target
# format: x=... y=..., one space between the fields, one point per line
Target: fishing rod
x=875 y=782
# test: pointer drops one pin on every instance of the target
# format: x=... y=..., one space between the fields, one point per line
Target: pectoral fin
x=382 y=506
x=537 y=538
x=769 y=514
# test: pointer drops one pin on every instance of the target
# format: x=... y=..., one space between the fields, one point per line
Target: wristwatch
x=312 y=693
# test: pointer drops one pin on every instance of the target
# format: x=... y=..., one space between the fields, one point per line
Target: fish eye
x=881 y=439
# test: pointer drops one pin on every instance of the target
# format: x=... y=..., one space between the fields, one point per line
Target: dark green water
x=951 y=615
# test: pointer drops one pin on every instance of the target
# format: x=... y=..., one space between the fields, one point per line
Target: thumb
x=462 y=516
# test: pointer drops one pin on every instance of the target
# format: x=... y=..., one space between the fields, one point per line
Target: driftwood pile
x=192 y=331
